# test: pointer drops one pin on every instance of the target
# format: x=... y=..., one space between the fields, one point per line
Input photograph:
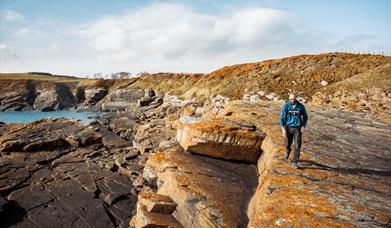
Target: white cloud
x=166 y=37
x=7 y=51
x=173 y=31
x=28 y=33
x=11 y=16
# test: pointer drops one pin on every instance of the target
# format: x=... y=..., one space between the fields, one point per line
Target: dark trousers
x=293 y=134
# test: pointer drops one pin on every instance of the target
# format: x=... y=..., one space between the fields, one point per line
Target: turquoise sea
x=31 y=116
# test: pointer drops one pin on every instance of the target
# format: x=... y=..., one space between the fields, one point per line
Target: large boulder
x=220 y=138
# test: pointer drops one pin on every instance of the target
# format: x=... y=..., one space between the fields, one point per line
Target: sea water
x=31 y=116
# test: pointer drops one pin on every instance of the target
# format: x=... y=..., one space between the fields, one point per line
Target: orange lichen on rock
x=208 y=192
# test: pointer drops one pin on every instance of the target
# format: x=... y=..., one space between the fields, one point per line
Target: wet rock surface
x=79 y=176
x=55 y=173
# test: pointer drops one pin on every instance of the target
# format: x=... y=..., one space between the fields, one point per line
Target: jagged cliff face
x=18 y=95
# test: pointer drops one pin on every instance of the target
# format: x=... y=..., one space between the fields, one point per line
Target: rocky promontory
x=159 y=157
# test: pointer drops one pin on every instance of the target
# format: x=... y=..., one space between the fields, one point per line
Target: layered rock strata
x=59 y=173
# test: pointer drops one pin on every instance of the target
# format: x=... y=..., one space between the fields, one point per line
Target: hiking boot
x=286 y=155
x=295 y=164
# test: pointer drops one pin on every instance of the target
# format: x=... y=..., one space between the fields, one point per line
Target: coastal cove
x=31 y=116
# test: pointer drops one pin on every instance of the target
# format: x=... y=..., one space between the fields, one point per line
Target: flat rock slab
x=54 y=173
x=73 y=193
x=208 y=192
x=344 y=178
x=47 y=134
x=221 y=138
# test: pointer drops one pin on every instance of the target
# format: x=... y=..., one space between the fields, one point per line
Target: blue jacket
x=293 y=117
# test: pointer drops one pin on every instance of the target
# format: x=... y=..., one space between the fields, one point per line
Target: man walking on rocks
x=293 y=119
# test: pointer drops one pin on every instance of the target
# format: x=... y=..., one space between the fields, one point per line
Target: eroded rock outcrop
x=50 y=97
x=20 y=95
x=93 y=95
x=208 y=192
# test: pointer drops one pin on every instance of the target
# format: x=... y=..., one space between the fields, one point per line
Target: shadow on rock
x=308 y=164
x=11 y=213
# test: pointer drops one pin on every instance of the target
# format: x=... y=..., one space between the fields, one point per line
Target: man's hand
x=283 y=131
x=302 y=129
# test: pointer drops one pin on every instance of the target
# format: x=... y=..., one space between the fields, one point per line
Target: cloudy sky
x=82 y=37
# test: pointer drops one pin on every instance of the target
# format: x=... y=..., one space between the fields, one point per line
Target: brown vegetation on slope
x=302 y=74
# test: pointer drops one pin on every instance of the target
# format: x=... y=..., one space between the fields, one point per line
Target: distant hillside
x=302 y=74
x=46 y=77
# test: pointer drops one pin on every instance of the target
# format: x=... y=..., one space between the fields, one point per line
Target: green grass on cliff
x=44 y=77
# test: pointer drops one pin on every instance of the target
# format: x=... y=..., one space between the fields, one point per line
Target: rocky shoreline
x=173 y=163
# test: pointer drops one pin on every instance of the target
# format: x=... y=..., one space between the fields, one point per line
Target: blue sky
x=88 y=36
